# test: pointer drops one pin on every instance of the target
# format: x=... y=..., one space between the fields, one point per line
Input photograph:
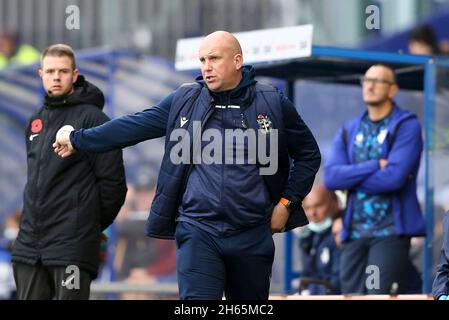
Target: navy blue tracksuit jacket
x=227 y=198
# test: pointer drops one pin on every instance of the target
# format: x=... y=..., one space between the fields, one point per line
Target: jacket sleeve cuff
x=73 y=139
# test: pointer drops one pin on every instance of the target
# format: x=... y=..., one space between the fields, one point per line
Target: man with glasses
x=376 y=158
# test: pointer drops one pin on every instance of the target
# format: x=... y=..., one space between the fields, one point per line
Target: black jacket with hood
x=68 y=202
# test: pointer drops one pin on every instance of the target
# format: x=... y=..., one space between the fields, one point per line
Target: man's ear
x=238 y=60
x=75 y=75
x=393 y=90
x=41 y=72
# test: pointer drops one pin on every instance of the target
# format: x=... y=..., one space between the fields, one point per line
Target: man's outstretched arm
x=115 y=134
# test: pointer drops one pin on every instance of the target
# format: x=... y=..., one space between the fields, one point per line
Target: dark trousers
x=373 y=265
x=45 y=283
x=238 y=265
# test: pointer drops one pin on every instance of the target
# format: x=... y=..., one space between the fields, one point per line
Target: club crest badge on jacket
x=264 y=123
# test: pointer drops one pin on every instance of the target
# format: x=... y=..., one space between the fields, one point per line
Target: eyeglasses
x=364 y=80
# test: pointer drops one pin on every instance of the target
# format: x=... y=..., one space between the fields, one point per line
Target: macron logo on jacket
x=184 y=120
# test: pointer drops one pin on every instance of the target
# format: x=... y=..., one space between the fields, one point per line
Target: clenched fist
x=279 y=218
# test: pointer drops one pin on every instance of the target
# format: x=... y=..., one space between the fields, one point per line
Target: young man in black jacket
x=67 y=202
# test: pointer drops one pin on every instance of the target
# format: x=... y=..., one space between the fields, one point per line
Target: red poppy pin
x=36 y=126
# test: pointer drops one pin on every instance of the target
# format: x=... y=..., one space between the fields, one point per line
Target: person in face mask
x=7 y=238
x=11 y=229
x=318 y=250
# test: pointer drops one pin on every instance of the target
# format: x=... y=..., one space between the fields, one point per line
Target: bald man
x=320 y=256
x=218 y=198
x=376 y=158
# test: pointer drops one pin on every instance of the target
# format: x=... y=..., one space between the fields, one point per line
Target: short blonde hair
x=59 y=50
